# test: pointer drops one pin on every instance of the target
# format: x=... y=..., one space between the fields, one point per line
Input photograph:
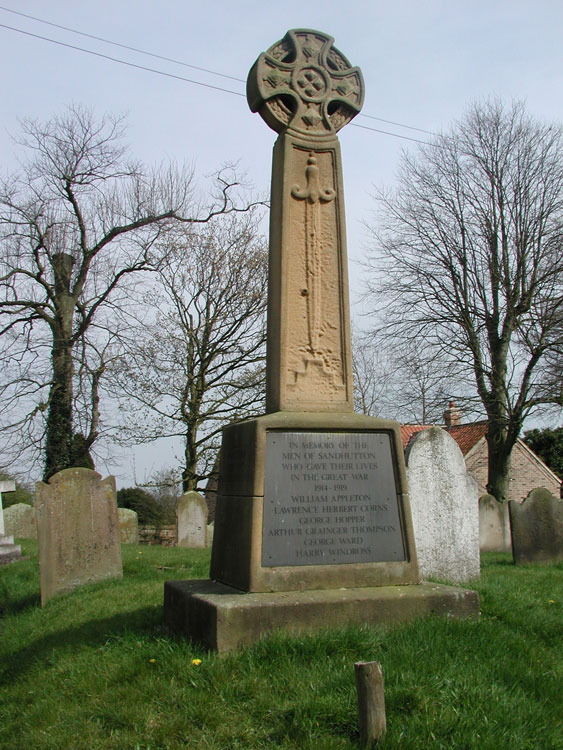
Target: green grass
x=94 y=669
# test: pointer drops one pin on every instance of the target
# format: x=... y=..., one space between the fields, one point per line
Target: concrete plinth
x=223 y=619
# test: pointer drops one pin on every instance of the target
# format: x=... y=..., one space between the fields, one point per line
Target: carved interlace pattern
x=305 y=84
x=280 y=50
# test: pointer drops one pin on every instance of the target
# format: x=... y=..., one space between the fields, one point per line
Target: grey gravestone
x=494 y=525
x=20 y=521
x=191 y=520
x=444 y=505
x=128 y=526
x=77 y=530
x=5 y=486
x=8 y=550
x=537 y=528
x=210 y=532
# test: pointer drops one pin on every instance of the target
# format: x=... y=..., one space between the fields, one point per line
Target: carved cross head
x=305 y=84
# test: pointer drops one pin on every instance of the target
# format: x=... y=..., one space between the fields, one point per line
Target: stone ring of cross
x=305 y=84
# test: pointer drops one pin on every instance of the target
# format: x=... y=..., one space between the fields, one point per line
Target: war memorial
x=313 y=524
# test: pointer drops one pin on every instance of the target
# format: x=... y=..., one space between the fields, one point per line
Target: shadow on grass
x=14 y=607
x=492 y=559
x=94 y=632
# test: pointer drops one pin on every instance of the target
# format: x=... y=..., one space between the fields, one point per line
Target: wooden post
x=371 y=701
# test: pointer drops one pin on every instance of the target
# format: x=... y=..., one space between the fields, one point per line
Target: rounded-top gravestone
x=191 y=520
x=19 y=520
x=444 y=506
x=128 y=526
x=537 y=527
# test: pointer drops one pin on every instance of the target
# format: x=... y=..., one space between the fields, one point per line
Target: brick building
x=527 y=470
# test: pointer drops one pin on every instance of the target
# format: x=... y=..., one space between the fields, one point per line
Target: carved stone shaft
x=306 y=90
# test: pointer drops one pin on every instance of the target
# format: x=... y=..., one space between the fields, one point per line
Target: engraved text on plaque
x=330 y=498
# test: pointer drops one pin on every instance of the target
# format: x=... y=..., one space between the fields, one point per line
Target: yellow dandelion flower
x=196 y=662
x=152 y=661
x=552 y=601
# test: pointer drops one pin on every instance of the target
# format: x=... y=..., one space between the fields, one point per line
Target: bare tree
x=199 y=363
x=372 y=373
x=76 y=223
x=406 y=382
x=423 y=381
x=468 y=262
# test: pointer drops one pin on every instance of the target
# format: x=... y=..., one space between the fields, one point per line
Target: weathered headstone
x=77 y=531
x=312 y=517
x=8 y=550
x=128 y=526
x=537 y=528
x=445 y=510
x=19 y=520
x=191 y=520
x=494 y=525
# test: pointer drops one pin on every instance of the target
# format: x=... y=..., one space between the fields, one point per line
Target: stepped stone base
x=223 y=618
x=8 y=550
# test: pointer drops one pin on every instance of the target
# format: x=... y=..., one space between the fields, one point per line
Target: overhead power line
x=399 y=124
x=395 y=135
x=118 y=44
x=121 y=62
x=180 y=62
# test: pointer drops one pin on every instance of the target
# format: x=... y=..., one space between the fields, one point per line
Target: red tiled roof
x=408 y=430
x=465 y=435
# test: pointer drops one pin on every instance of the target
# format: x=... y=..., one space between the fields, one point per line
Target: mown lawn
x=94 y=669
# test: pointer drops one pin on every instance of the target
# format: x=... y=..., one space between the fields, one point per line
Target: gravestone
x=191 y=520
x=5 y=486
x=537 y=528
x=210 y=532
x=128 y=526
x=19 y=520
x=445 y=507
x=8 y=550
x=312 y=519
x=77 y=531
x=494 y=525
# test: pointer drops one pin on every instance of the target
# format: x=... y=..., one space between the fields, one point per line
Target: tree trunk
x=498 y=484
x=189 y=473
x=58 y=448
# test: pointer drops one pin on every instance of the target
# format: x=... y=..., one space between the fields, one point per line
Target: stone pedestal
x=286 y=559
x=295 y=517
x=223 y=619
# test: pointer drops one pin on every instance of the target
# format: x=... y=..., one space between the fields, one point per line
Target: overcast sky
x=422 y=63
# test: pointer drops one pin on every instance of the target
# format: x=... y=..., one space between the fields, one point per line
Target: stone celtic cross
x=304 y=83
x=306 y=90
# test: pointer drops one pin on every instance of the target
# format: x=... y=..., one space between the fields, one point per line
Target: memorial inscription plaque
x=330 y=498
